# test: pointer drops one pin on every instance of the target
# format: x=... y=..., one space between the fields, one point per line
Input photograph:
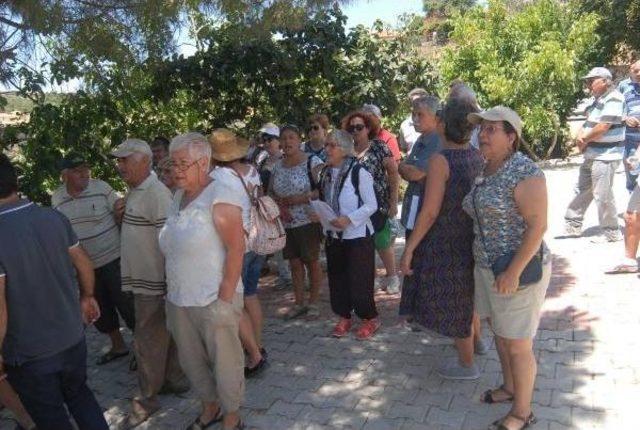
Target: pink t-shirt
x=392 y=142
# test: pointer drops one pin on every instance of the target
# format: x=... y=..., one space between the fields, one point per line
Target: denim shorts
x=251 y=267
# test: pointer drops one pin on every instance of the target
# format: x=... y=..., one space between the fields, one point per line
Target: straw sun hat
x=226 y=146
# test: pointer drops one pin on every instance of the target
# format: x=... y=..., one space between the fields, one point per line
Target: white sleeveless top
x=194 y=253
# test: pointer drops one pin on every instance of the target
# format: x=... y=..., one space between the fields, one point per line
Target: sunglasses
x=357 y=127
x=314 y=127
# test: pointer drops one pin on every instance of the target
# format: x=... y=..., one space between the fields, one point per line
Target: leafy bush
x=530 y=61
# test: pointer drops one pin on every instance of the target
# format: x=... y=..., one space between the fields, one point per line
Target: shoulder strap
x=355 y=180
x=314 y=185
x=322 y=180
x=244 y=185
x=475 y=211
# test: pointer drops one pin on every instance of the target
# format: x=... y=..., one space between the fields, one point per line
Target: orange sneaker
x=367 y=329
x=342 y=328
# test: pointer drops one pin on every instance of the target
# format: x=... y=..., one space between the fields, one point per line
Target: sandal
x=110 y=356
x=487 y=396
x=526 y=422
x=250 y=372
x=199 y=425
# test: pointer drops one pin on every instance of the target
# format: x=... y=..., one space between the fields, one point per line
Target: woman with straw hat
x=228 y=153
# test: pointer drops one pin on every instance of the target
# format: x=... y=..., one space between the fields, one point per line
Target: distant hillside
x=21 y=104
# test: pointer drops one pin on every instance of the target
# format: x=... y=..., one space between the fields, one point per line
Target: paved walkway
x=587 y=346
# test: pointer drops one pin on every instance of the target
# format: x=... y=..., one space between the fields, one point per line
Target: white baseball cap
x=498 y=113
x=598 y=72
x=131 y=146
x=270 y=129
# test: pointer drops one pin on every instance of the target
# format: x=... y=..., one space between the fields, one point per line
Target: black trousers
x=351 y=272
x=112 y=299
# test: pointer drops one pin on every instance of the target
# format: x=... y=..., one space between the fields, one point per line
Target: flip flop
x=110 y=356
x=199 y=425
x=487 y=396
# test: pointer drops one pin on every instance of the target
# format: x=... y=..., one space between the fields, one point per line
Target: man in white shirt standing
x=408 y=134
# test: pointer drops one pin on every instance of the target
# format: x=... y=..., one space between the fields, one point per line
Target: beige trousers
x=156 y=352
x=210 y=350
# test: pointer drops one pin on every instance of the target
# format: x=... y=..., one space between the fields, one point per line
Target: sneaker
x=313 y=311
x=342 y=328
x=367 y=329
x=607 y=237
x=296 y=311
x=481 y=347
x=613 y=235
x=459 y=372
x=629 y=265
x=571 y=230
x=393 y=284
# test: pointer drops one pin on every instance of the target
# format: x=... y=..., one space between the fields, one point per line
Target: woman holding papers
x=439 y=250
x=348 y=190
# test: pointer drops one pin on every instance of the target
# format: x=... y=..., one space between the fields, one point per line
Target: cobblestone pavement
x=588 y=352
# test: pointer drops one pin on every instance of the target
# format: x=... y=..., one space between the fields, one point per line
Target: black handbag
x=532 y=272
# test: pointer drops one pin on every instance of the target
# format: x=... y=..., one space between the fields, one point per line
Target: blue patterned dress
x=441 y=297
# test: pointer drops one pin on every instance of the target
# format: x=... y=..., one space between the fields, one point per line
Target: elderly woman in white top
x=203 y=243
x=348 y=188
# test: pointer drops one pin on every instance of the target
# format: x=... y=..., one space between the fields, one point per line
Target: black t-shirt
x=41 y=291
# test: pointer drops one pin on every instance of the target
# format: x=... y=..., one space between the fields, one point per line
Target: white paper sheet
x=413 y=212
x=325 y=213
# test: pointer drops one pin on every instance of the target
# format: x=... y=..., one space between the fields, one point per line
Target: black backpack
x=378 y=219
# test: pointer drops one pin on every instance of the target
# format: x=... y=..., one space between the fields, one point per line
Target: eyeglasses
x=181 y=167
x=490 y=128
x=314 y=127
x=357 y=127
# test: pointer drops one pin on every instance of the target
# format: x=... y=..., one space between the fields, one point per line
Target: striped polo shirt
x=91 y=216
x=608 y=108
x=141 y=262
x=631 y=92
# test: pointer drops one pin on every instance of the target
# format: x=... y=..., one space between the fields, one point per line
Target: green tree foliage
x=240 y=81
x=619 y=25
x=446 y=7
x=531 y=61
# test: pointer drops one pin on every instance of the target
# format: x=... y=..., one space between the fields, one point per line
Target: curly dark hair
x=457 y=128
x=370 y=120
x=321 y=119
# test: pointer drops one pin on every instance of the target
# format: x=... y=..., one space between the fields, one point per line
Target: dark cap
x=72 y=160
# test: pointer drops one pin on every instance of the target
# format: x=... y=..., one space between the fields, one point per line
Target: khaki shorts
x=303 y=242
x=634 y=201
x=513 y=316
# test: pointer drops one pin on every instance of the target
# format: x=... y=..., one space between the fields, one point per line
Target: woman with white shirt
x=350 y=249
x=228 y=153
x=203 y=244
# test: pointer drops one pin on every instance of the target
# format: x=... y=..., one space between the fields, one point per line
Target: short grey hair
x=461 y=91
x=431 y=103
x=343 y=139
x=196 y=144
x=417 y=92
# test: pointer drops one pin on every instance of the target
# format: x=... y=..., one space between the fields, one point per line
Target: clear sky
x=367 y=11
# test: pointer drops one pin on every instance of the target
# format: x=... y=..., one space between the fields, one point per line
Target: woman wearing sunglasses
x=318 y=127
x=375 y=156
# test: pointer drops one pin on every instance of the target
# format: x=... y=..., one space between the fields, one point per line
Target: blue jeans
x=46 y=385
x=251 y=267
x=631 y=144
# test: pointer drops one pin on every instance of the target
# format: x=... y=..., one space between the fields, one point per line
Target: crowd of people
x=170 y=257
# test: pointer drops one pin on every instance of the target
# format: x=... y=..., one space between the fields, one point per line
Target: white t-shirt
x=193 y=250
x=229 y=177
x=408 y=135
